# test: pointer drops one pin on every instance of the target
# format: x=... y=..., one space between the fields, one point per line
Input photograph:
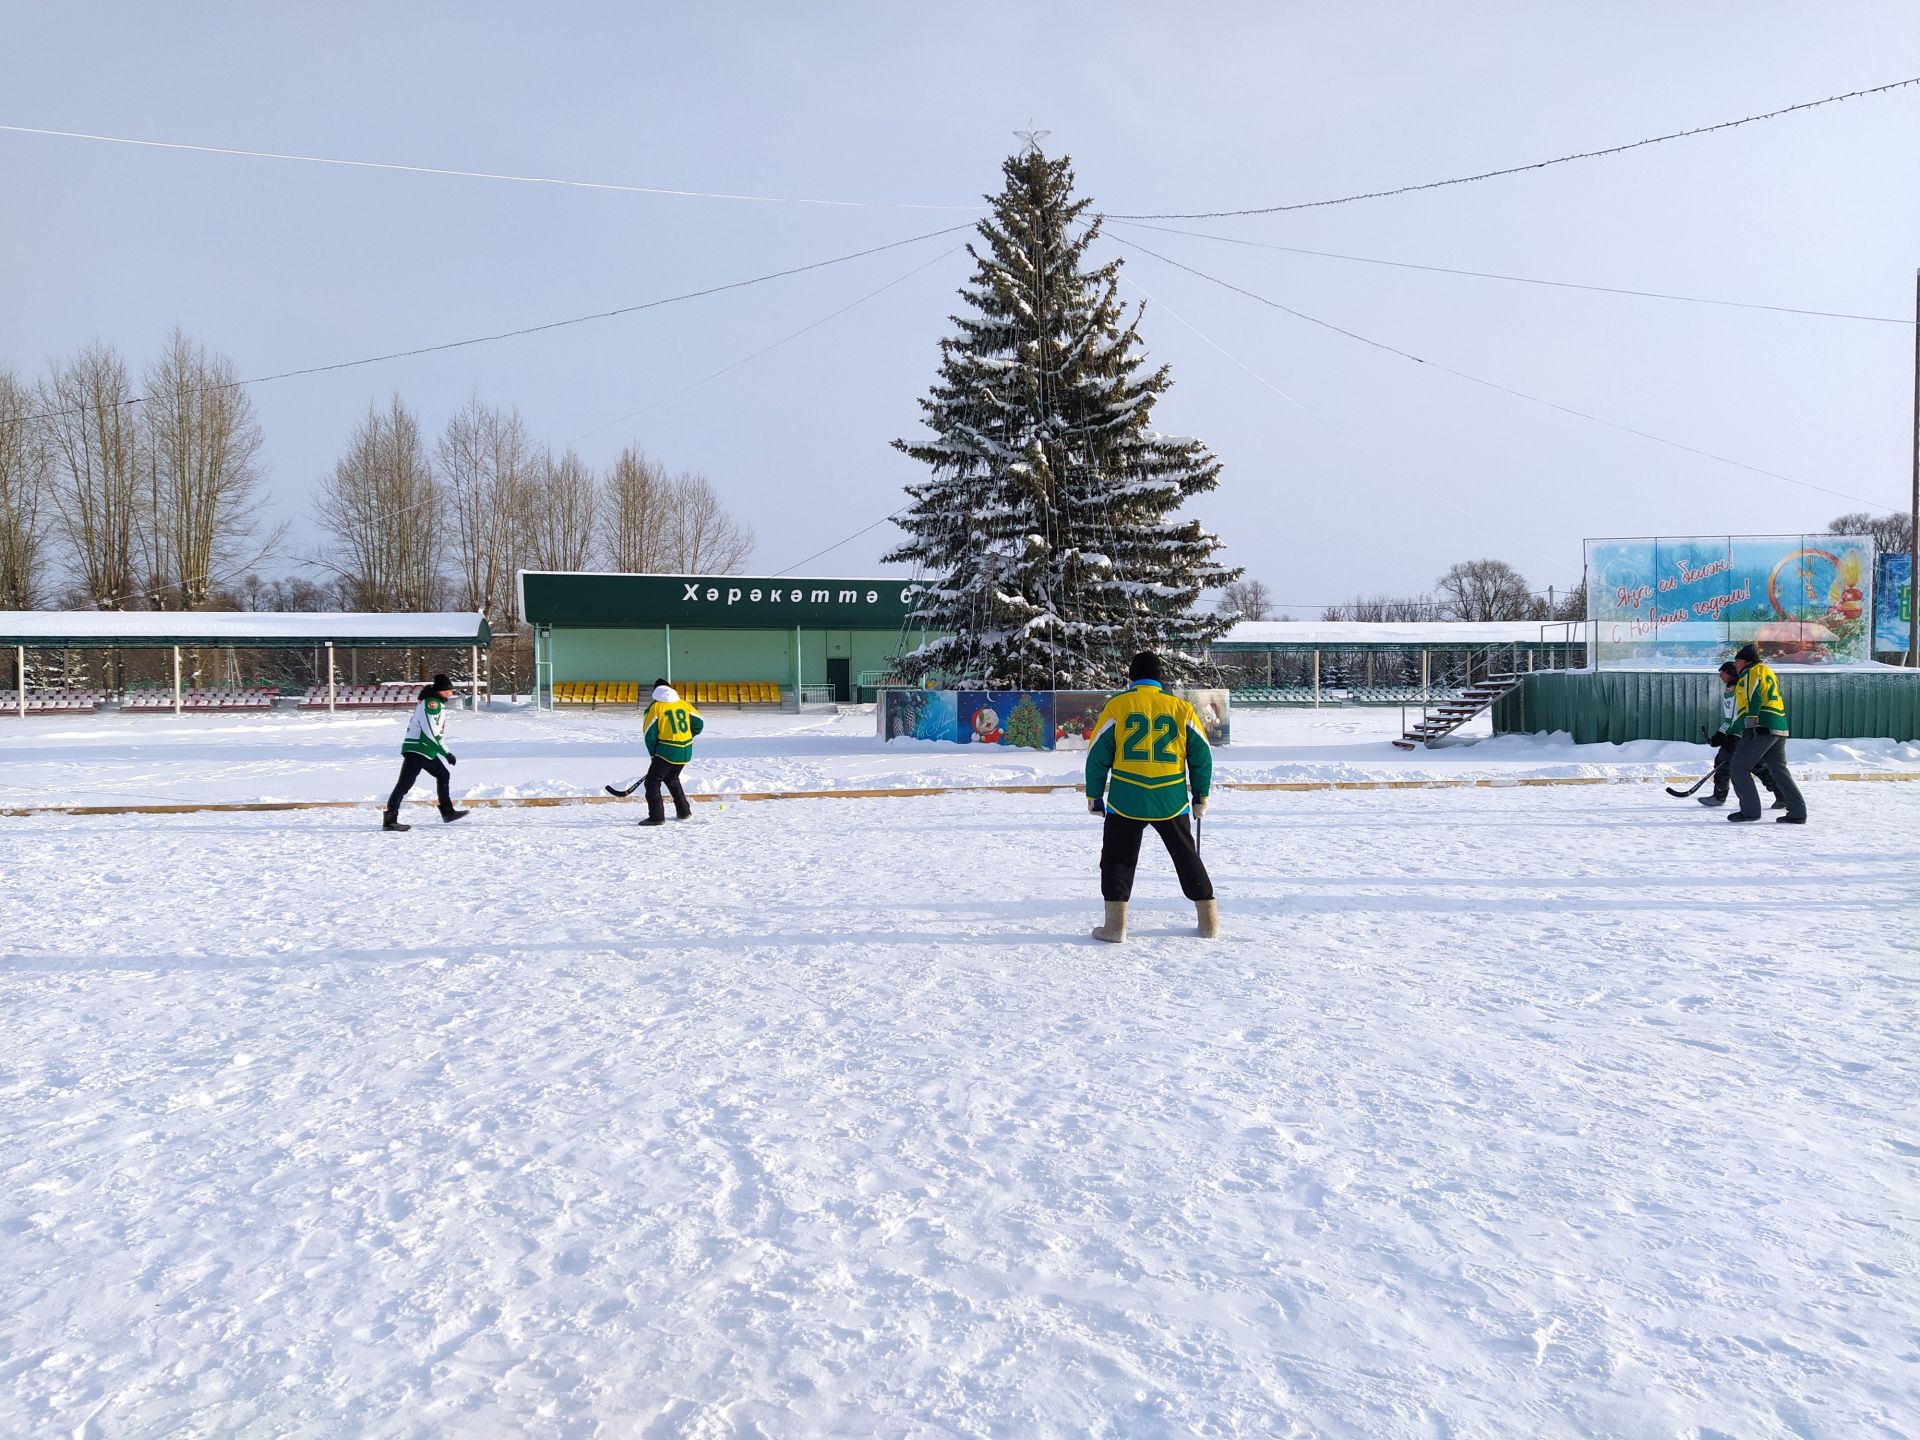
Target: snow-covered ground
x=515 y=751
x=1497 y=1112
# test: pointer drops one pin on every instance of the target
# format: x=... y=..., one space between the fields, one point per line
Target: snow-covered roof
x=133 y=628
x=1413 y=634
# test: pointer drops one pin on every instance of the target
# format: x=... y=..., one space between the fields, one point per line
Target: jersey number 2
x=1166 y=730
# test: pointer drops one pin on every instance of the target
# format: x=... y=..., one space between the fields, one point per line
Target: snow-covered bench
x=199 y=700
x=53 y=702
x=392 y=695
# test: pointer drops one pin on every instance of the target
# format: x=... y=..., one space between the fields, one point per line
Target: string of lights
x=745 y=198
x=537 y=329
x=1620 y=149
x=1519 y=279
x=767 y=349
x=450 y=172
x=1496 y=385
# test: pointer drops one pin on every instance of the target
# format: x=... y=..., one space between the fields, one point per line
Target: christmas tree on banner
x=1046 y=536
x=1026 y=726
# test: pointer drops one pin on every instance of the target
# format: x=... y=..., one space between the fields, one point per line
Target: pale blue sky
x=1162 y=107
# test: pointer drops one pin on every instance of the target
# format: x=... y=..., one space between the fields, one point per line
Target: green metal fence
x=1620 y=705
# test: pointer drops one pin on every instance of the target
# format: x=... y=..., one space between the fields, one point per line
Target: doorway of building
x=840 y=677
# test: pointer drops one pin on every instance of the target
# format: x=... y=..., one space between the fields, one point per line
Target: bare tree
x=485 y=458
x=702 y=538
x=382 y=512
x=1486 y=590
x=97 y=491
x=1247 y=600
x=25 y=475
x=201 y=445
x=1573 y=604
x=1384 y=609
x=562 y=510
x=295 y=593
x=634 y=510
x=1892 y=533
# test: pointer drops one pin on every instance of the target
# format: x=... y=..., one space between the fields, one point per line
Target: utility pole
x=1913 y=539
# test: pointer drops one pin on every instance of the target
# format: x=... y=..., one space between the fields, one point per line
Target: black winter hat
x=1728 y=669
x=1748 y=652
x=1145 y=666
x=658 y=681
x=441 y=682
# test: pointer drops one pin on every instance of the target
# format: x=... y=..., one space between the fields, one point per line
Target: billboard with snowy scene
x=1688 y=602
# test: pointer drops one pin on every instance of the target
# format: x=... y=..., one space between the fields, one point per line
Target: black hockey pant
x=1723 y=773
x=410 y=767
x=665 y=772
x=1120 y=853
x=1758 y=748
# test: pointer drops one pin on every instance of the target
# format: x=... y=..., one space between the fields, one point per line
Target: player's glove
x=1095 y=805
x=1199 y=808
x=452 y=759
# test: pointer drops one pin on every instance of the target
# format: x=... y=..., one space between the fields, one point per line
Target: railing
x=1484 y=663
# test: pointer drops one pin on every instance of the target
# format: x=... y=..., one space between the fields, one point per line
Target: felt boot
x=1208 y=912
x=1114 y=930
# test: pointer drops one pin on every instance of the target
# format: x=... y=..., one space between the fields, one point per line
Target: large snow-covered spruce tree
x=1046 y=536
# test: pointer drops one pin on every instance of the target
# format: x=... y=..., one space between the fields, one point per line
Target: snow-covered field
x=1498 y=1112
x=518 y=752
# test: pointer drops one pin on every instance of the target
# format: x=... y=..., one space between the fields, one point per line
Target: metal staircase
x=1440 y=718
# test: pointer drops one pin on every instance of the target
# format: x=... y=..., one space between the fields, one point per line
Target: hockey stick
x=1683 y=794
x=622 y=794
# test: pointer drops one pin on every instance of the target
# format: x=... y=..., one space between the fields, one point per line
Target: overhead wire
x=1620 y=149
x=453 y=173
x=1520 y=279
x=1496 y=385
x=766 y=349
x=1385 y=464
x=741 y=197
x=534 y=329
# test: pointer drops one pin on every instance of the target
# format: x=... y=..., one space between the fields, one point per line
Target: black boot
x=392 y=822
x=449 y=815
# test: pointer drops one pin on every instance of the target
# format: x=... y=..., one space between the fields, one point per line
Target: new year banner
x=1689 y=602
x=1893 y=608
x=1023 y=719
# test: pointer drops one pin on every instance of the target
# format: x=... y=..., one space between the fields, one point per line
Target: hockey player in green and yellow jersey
x=1760 y=721
x=1149 y=753
x=671 y=725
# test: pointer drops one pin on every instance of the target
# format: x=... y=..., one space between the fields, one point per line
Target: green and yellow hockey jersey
x=1149 y=749
x=671 y=725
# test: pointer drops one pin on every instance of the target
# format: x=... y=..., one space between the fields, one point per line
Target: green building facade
x=817 y=638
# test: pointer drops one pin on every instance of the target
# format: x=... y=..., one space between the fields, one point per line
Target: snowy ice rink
x=1497 y=1112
